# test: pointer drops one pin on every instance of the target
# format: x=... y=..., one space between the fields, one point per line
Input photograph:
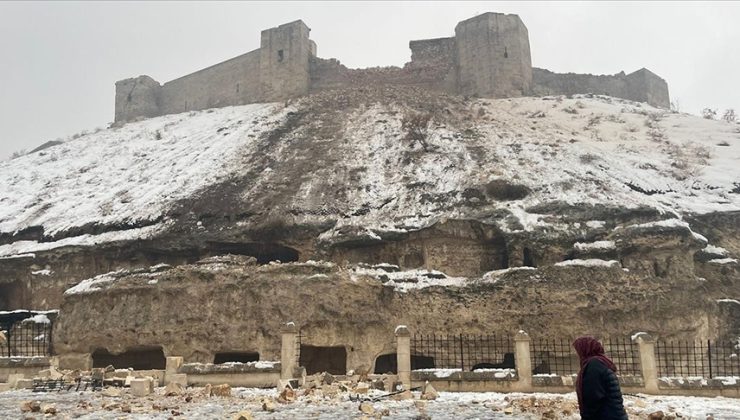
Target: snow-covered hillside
x=125 y=177
x=371 y=170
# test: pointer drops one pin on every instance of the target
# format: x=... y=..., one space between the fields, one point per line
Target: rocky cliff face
x=395 y=176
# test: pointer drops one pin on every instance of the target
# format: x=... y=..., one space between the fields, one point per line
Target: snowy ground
x=89 y=405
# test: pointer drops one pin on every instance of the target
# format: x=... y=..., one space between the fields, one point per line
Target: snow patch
x=592 y=262
x=594 y=246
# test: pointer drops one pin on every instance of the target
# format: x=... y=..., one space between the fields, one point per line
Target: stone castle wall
x=489 y=56
x=641 y=85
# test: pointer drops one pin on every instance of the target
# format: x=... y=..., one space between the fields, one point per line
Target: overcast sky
x=60 y=60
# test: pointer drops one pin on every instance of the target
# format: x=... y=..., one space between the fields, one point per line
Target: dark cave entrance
x=422 y=362
x=386 y=363
x=263 y=252
x=528 y=258
x=12 y=295
x=142 y=358
x=235 y=356
x=324 y=359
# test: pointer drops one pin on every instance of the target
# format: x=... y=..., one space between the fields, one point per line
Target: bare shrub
x=588 y=158
x=729 y=115
x=503 y=190
x=416 y=126
x=709 y=113
x=675 y=106
x=18 y=153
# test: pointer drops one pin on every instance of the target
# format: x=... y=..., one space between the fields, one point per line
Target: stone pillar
x=288 y=351
x=171 y=369
x=523 y=360
x=646 y=346
x=403 y=355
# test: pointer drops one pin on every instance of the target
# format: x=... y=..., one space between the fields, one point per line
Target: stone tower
x=137 y=97
x=284 y=61
x=493 y=56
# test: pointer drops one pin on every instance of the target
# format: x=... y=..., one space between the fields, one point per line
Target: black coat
x=602 y=397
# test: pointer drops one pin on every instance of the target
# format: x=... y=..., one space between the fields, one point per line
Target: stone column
x=172 y=369
x=403 y=355
x=523 y=361
x=646 y=346
x=288 y=350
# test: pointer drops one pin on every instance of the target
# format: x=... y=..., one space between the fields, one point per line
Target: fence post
x=403 y=355
x=646 y=347
x=523 y=361
x=288 y=351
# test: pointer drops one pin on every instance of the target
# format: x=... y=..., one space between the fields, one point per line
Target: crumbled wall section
x=641 y=85
x=489 y=56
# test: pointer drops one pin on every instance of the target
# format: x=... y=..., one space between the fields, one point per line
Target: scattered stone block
x=405 y=395
x=179 y=378
x=4 y=386
x=141 y=387
x=243 y=415
x=287 y=395
x=367 y=408
x=111 y=392
x=223 y=390
x=24 y=383
x=429 y=392
x=173 y=389
x=49 y=409
x=268 y=406
x=327 y=378
x=13 y=379
x=361 y=388
x=30 y=406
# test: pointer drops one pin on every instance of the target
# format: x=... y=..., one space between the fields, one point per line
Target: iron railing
x=26 y=338
x=700 y=358
x=462 y=351
x=558 y=357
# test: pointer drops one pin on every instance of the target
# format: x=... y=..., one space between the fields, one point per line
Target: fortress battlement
x=489 y=56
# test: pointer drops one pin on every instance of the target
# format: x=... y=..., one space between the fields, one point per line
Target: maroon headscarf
x=588 y=348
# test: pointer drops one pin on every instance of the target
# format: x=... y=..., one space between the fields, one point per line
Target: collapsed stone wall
x=641 y=85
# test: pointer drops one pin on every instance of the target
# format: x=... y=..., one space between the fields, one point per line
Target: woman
x=599 y=396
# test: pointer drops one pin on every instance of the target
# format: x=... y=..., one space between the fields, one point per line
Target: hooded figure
x=597 y=386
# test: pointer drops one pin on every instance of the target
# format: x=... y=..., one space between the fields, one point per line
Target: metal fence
x=462 y=351
x=26 y=338
x=705 y=359
x=557 y=356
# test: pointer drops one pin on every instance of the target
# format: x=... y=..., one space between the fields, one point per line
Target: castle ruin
x=489 y=56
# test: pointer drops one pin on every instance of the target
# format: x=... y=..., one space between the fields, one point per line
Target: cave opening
x=235 y=356
x=318 y=359
x=12 y=295
x=422 y=362
x=140 y=358
x=386 y=363
x=528 y=258
x=263 y=252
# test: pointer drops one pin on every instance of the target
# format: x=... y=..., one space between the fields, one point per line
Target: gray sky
x=60 y=60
